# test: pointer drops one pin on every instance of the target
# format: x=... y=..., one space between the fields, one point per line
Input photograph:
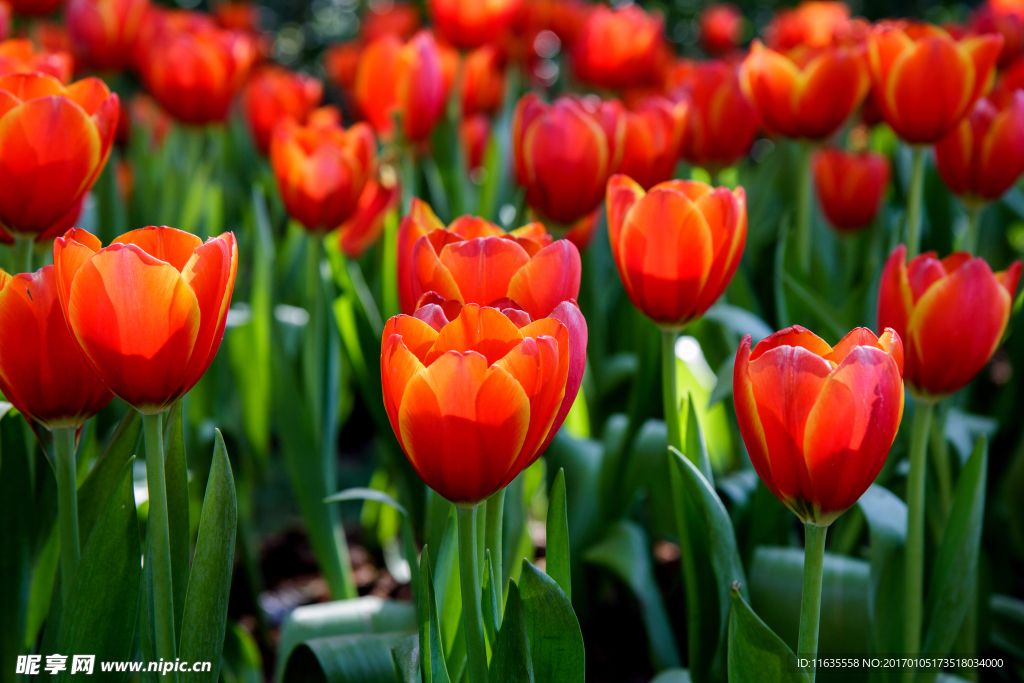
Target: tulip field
x=511 y=341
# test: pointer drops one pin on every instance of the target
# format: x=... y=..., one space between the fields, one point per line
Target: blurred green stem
x=914 y=201
x=67 y=507
x=160 y=537
x=940 y=457
x=315 y=331
x=810 y=599
x=495 y=524
x=804 y=200
x=668 y=388
x=915 y=531
x=472 y=617
x=21 y=258
x=971 y=237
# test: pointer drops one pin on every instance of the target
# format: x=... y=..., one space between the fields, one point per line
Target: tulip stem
x=810 y=600
x=67 y=507
x=495 y=526
x=472 y=616
x=21 y=259
x=971 y=237
x=804 y=198
x=914 y=201
x=915 y=530
x=669 y=394
x=160 y=537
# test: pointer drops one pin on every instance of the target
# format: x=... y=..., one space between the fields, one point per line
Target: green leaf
x=756 y=654
x=242 y=661
x=176 y=478
x=435 y=668
x=886 y=516
x=206 y=605
x=406 y=654
x=489 y=598
x=512 y=662
x=363 y=658
x=739 y=320
x=16 y=506
x=100 y=613
x=106 y=474
x=557 y=553
x=1007 y=615
x=365 y=494
x=696 y=448
x=556 y=642
x=672 y=676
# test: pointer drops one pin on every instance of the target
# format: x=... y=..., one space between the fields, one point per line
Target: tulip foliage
x=474 y=341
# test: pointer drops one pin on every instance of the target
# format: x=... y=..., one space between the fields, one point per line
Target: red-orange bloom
x=148 y=311
x=818 y=421
x=472 y=23
x=19 y=55
x=1004 y=18
x=851 y=186
x=721 y=28
x=341 y=62
x=475 y=133
x=103 y=32
x=565 y=152
x=619 y=47
x=237 y=15
x=361 y=230
x=810 y=23
x=951 y=315
x=400 y=19
x=983 y=156
x=54 y=141
x=924 y=81
x=806 y=92
x=677 y=246
x=274 y=94
x=404 y=80
x=483 y=81
x=42 y=372
x=654 y=140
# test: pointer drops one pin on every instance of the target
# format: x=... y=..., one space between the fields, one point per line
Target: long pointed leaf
x=557 y=552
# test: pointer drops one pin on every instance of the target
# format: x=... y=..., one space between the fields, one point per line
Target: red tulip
x=677 y=246
x=818 y=421
x=721 y=28
x=851 y=186
x=951 y=315
x=5 y=20
x=341 y=62
x=983 y=156
x=483 y=81
x=1004 y=18
x=619 y=47
x=20 y=56
x=404 y=80
x=54 y=141
x=472 y=23
x=811 y=23
x=274 y=94
x=475 y=133
x=390 y=18
x=103 y=32
x=237 y=15
x=363 y=228
x=924 y=81
x=159 y=24
x=42 y=372
x=654 y=140
x=148 y=311
x=322 y=170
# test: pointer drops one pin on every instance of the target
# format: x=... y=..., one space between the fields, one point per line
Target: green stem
x=914 y=200
x=21 y=258
x=804 y=203
x=494 y=536
x=67 y=507
x=810 y=599
x=389 y=266
x=314 y=337
x=940 y=458
x=160 y=538
x=668 y=388
x=472 y=617
x=915 y=531
x=971 y=237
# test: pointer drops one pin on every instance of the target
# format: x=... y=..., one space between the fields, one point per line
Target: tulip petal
x=929 y=89
x=749 y=422
x=211 y=275
x=548 y=279
x=569 y=314
x=166 y=244
x=859 y=336
x=418 y=336
x=398 y=365
x=623 y=194
x=429 y=274
x=69 y=253
x=895 y=300
x=792 y=336
x=470 y=227
x=726 y=216
x=483 y=267
x=418 y=222
x=481 y=329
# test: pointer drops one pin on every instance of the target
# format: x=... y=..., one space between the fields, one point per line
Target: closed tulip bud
x=721 y=28
x=42 y=372
x=951 y=315
x=148 y=311
x=483 y=81
x=984 y=155
x=54 y=141
x=364 y=227
x=321 y=171
x=471 y=23
x=924 y=81
x=818 y=421
x=806 y=92
x=677 y=246
x=565 y=152
x=403 y=80
x=20 y=56
x=103 y=32
x=475 y=133
x=851 y=186
x=400 y=19
x=619 y=47
x=654 y=140
x=811 y=23
x=341 y=62
x=274 y=94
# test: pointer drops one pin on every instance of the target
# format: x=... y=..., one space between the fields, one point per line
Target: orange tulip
x=404 y=80
x=20 y=56
x=924 y=81
x=42 y=372
x=811 y=23
x=619 y=47
x=341 y=62
x=818 y=421
x=677 y=246
x=322 y=170
x=851 y=186
x=721 y=28
x=474 y=401
x=483 y=81
x=274 y=94
x=103 y=32
x=565 y=152
x=951 y=314
x=54 y=141
x=807 y=92
x=472 y=23
x=363 y=228
x=148 y=311
x=654 y=140
x=983 y=156
x=475 y=133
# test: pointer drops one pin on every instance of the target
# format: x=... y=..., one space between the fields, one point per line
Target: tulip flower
x=471 y=23
x=103 y=32
x=274 y=94
x=619 y=47
x=483 y=81
x=565 y=152
x=811 y=23
x=364 y=226
x=677 y=246
x=654 y=140
x=159 y=24
x=721 y=28
x=237 y=15
x=1004 y=18
x=19 y=56
x=475 y=133
x=341 y=62
x=851 y=186
x=400 y=19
